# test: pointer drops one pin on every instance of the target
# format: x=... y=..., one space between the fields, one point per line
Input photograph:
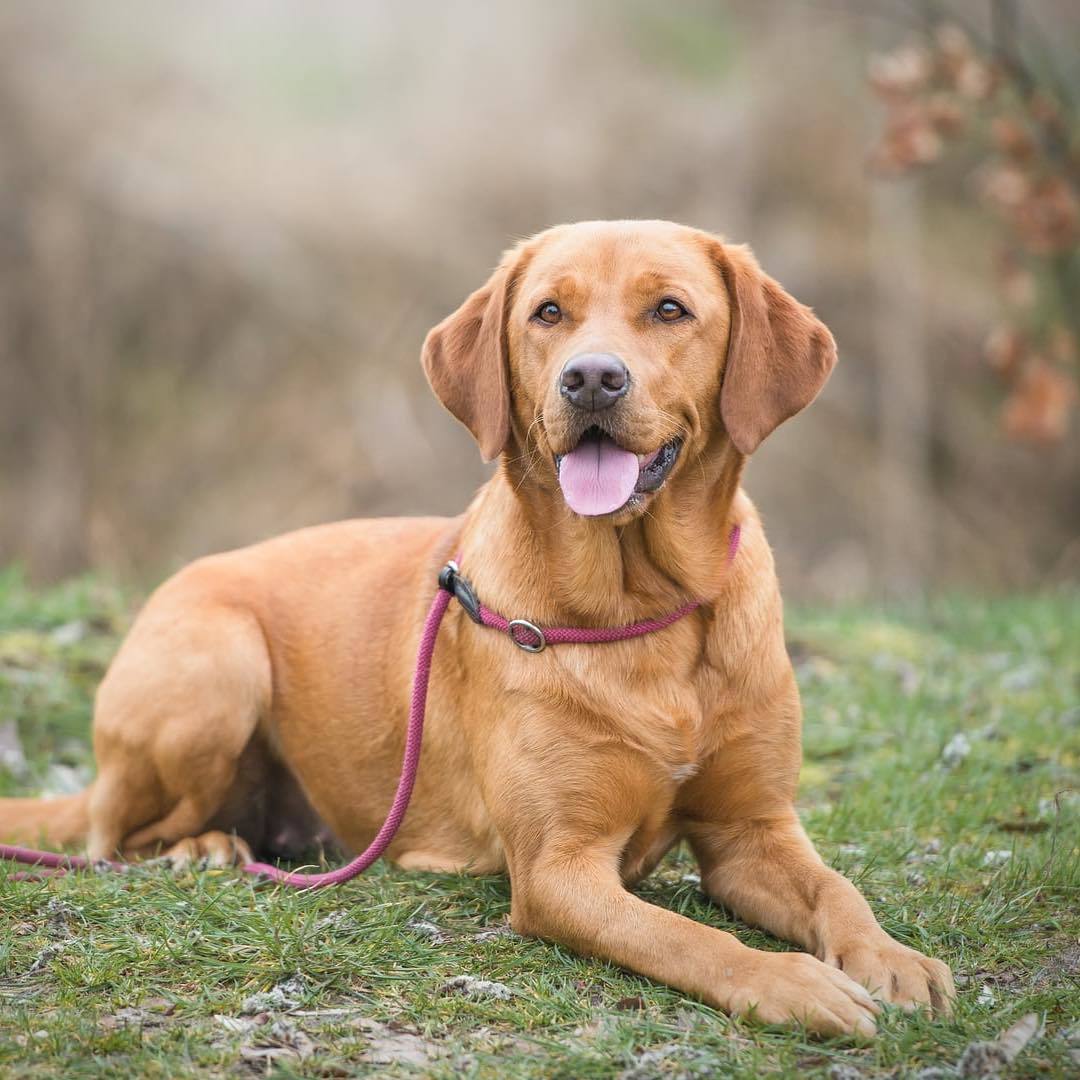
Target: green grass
x=146 y=974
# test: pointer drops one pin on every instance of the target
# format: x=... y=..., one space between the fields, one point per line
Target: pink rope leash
x=52 y=863
x=524 y=634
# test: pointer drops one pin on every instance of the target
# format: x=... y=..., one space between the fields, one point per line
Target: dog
x=620 y=373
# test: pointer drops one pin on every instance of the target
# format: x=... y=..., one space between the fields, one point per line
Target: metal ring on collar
x=537 y=646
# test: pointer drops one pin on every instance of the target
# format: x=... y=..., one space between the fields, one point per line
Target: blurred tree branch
x=955 y=84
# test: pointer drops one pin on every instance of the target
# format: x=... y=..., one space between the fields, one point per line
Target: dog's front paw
x=784 y=988
x=894 y=973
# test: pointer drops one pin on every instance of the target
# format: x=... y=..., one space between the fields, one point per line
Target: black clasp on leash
x=451 y=580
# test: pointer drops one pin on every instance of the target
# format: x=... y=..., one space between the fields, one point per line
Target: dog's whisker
x=530 y=456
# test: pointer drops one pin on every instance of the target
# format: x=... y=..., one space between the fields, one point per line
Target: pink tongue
x=597 y=477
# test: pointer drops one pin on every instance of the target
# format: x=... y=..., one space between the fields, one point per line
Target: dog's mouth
x=599 y=477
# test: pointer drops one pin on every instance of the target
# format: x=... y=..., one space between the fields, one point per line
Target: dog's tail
x=52 y=823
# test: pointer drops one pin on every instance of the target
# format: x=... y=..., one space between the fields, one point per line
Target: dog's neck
x=592 y=571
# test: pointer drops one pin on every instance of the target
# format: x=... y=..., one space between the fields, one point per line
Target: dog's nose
x=594 y=380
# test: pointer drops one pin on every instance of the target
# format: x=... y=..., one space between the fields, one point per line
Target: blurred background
x=225 y=229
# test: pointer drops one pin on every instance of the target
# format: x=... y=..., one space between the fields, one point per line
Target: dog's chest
x=658 y=713
x=648 y=694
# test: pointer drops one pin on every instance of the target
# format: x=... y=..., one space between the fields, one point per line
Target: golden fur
x=262 y=695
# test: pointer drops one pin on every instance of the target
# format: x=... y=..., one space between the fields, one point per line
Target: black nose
x=594 y=381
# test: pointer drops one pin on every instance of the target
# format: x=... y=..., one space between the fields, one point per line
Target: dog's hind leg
x=55 y=822
x=212 y=849
x=174 y=714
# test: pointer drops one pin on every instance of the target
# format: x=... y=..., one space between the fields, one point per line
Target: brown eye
x=548 y=312
x=670 y=310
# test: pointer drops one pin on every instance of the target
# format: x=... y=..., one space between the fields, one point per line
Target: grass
x=153 y=975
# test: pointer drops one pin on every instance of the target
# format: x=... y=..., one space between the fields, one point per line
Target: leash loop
x=538 y=642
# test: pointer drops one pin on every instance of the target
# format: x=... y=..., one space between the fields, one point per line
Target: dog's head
x=620 y=352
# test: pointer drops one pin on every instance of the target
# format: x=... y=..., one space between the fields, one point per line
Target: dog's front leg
x=757 y=861
x=565 y=818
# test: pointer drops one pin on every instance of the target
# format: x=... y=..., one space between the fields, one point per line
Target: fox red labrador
x=620 y=373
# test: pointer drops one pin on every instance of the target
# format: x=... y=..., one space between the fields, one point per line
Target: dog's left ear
x=465 y=359
x=779 y=353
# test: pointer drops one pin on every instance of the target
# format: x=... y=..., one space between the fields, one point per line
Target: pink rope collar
x=525 y=634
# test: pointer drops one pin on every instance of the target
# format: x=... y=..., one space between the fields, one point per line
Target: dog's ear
x=466 y=361
x=779 y=353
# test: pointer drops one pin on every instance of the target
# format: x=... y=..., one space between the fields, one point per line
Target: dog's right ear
x=466 y=361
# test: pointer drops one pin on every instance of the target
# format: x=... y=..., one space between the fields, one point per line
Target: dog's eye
x=670 y=310
x=548 y=312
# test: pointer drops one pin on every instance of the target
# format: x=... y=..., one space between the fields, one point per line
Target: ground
x=942 y=747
